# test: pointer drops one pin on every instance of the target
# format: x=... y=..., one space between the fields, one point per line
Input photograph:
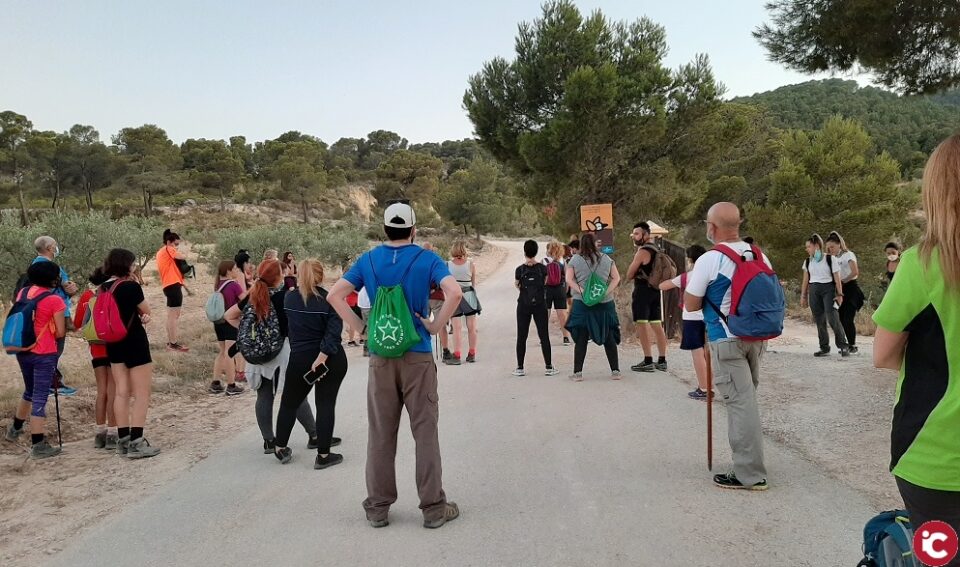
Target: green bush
x=336 y=247
x=84 y=239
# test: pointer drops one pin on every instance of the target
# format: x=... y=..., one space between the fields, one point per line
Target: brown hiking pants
x=395 y=383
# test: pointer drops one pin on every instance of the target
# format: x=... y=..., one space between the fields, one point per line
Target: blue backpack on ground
x=757 y=303
x=19 y=334
x=888 y=541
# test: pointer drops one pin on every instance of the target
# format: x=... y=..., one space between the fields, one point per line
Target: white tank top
x=463 y=274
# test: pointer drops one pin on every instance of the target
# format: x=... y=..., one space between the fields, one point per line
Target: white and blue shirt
x=711 y=279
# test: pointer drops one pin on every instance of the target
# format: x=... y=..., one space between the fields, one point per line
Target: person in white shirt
x=823 y=290
x=694 y=328
x=853 y=297
x=363 y=302
x=736 y=362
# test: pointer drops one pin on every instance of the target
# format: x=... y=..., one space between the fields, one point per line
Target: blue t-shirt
x=64 y=278
x=390 y=263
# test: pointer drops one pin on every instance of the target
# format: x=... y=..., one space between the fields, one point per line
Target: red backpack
x=554 y=274
x=107 y=323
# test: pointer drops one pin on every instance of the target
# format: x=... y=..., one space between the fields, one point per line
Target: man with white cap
x=410 y=380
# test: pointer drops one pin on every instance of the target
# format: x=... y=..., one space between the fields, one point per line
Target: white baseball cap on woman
x=399 y=215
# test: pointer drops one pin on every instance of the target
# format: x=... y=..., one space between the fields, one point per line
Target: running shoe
x=216 y=387
x=644 y=367
x=234 y=390
x=661 y=366
x=328 y=461
x=698 y=394
x=44 y=450
x=551 y=371
x=521 y=372
x=730 y=481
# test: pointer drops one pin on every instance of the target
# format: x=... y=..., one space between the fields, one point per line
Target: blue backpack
x=19 y=334
x=888 y=541
x=757 y=303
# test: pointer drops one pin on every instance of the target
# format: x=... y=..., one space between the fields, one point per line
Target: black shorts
x=556 y=297
x=225 y=332
x=693 y=335
x=356 y=311
x=174 y=294
x=646 y=304
x=133 y=351
x=101 y=363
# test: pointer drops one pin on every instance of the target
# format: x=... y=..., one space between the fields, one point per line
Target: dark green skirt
x=598 y=322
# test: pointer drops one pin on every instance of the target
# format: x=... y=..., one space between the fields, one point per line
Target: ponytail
x=268 y=277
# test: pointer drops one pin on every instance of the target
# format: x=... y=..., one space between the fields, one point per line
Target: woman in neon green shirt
x=919 y=335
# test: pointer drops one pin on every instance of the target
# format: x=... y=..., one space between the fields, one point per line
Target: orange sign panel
x=594 y=218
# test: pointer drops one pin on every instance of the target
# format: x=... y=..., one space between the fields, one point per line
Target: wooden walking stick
x=706 y=351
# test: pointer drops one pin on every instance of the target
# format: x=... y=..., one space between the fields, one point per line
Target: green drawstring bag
x=391 y=330
x=595 y=290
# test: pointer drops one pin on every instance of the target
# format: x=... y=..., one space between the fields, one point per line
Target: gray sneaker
x=141 y=449
x=123 y=445
x=13 y=433
x=661 y=366
x=44 y=450
x=100 y=440
x=450 y=513
x=111 y=443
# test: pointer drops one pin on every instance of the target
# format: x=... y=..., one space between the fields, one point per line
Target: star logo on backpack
x=389 y=328
x=597 y=292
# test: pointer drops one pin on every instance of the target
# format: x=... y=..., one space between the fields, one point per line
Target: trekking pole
x=56 y=402
x=706 y=351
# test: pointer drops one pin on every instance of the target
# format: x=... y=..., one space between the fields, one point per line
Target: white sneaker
x=551 y=371
x=519 y=372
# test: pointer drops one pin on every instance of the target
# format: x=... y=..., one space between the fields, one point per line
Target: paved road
x=546 y=472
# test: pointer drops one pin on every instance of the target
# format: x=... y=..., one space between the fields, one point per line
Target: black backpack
x=532 y=285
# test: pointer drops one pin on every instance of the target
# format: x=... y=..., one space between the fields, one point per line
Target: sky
x=330 y=68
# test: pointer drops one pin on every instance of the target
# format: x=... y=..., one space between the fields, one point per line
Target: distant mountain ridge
x=909 y=128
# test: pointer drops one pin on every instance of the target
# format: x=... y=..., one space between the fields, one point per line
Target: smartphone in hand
x=312 y=376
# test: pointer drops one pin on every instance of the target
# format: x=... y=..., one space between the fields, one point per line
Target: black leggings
x=296 y=389
x=848 y=311
x=925 y=504
x=540 y=317
x=580 y=351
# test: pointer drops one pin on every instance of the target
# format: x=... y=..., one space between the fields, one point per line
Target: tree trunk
x=89 y=191
x=303 y=201
x=56 y=194
x=23 y=206
x=223 y=203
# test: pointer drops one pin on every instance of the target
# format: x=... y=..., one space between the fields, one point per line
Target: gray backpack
x=216 y=306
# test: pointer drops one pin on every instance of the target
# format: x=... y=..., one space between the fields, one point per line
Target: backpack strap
x=405 y=273
x=223 y=286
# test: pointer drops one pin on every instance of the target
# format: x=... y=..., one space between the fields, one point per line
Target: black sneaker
x=328 y=461
x=644 y=367
x=234 y=389
x=352 y=344
x=284 y=455
x=447 y=355
x=566 y=341
x=730 y=481
x=661 y=366
x=453 y=361
x=313 y=444
x=268 y=447
x=216 y=387
x=698 y=394
x=844 y=352
x=854 y=350
x=822 y=353
x=471 y=358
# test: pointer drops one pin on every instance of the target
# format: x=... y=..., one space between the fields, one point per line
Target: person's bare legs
x=173 y=319
x=111 y=398
x=121 y=400
x=101 y=407
x=562 y=316
x=661 y=337
x=223 y=365
x=700 y=366
x=643 y=333
x=472 y=333
x=23 y=410
x=140 y=379
x=457 y=332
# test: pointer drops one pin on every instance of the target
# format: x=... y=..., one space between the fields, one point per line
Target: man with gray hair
x=47 y=251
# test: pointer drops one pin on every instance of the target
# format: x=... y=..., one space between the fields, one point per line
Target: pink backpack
x=107 y=323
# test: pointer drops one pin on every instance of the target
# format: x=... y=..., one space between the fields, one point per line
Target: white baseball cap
x=399 y=215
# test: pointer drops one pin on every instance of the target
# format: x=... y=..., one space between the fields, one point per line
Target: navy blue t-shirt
x=390 y=263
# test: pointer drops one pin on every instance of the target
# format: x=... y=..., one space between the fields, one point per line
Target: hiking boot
x=615 y=374
x=44 y=450
x=216 y=387
x=313 y=444
x=177 y=347
x=328 y=461
x=100 y=440
x=577 y=376
x=472 y=357
x=450 y=513
x=551 y=371
x=379 y=523
x=519 y=372
x=698 y=394
x=821 y=353
x=661 y=366
x=123 y=445
x=284 y=455
x=141 y=449
x=234 y=390
x=111 y=444
x=730 y=481
x=854 y=350
x=269 y=446
x=844 y=352
x=644 y=367
x=13 y=433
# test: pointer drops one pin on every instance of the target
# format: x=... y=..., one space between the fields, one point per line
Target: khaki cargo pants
x=736 y=371
x=395 y=383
